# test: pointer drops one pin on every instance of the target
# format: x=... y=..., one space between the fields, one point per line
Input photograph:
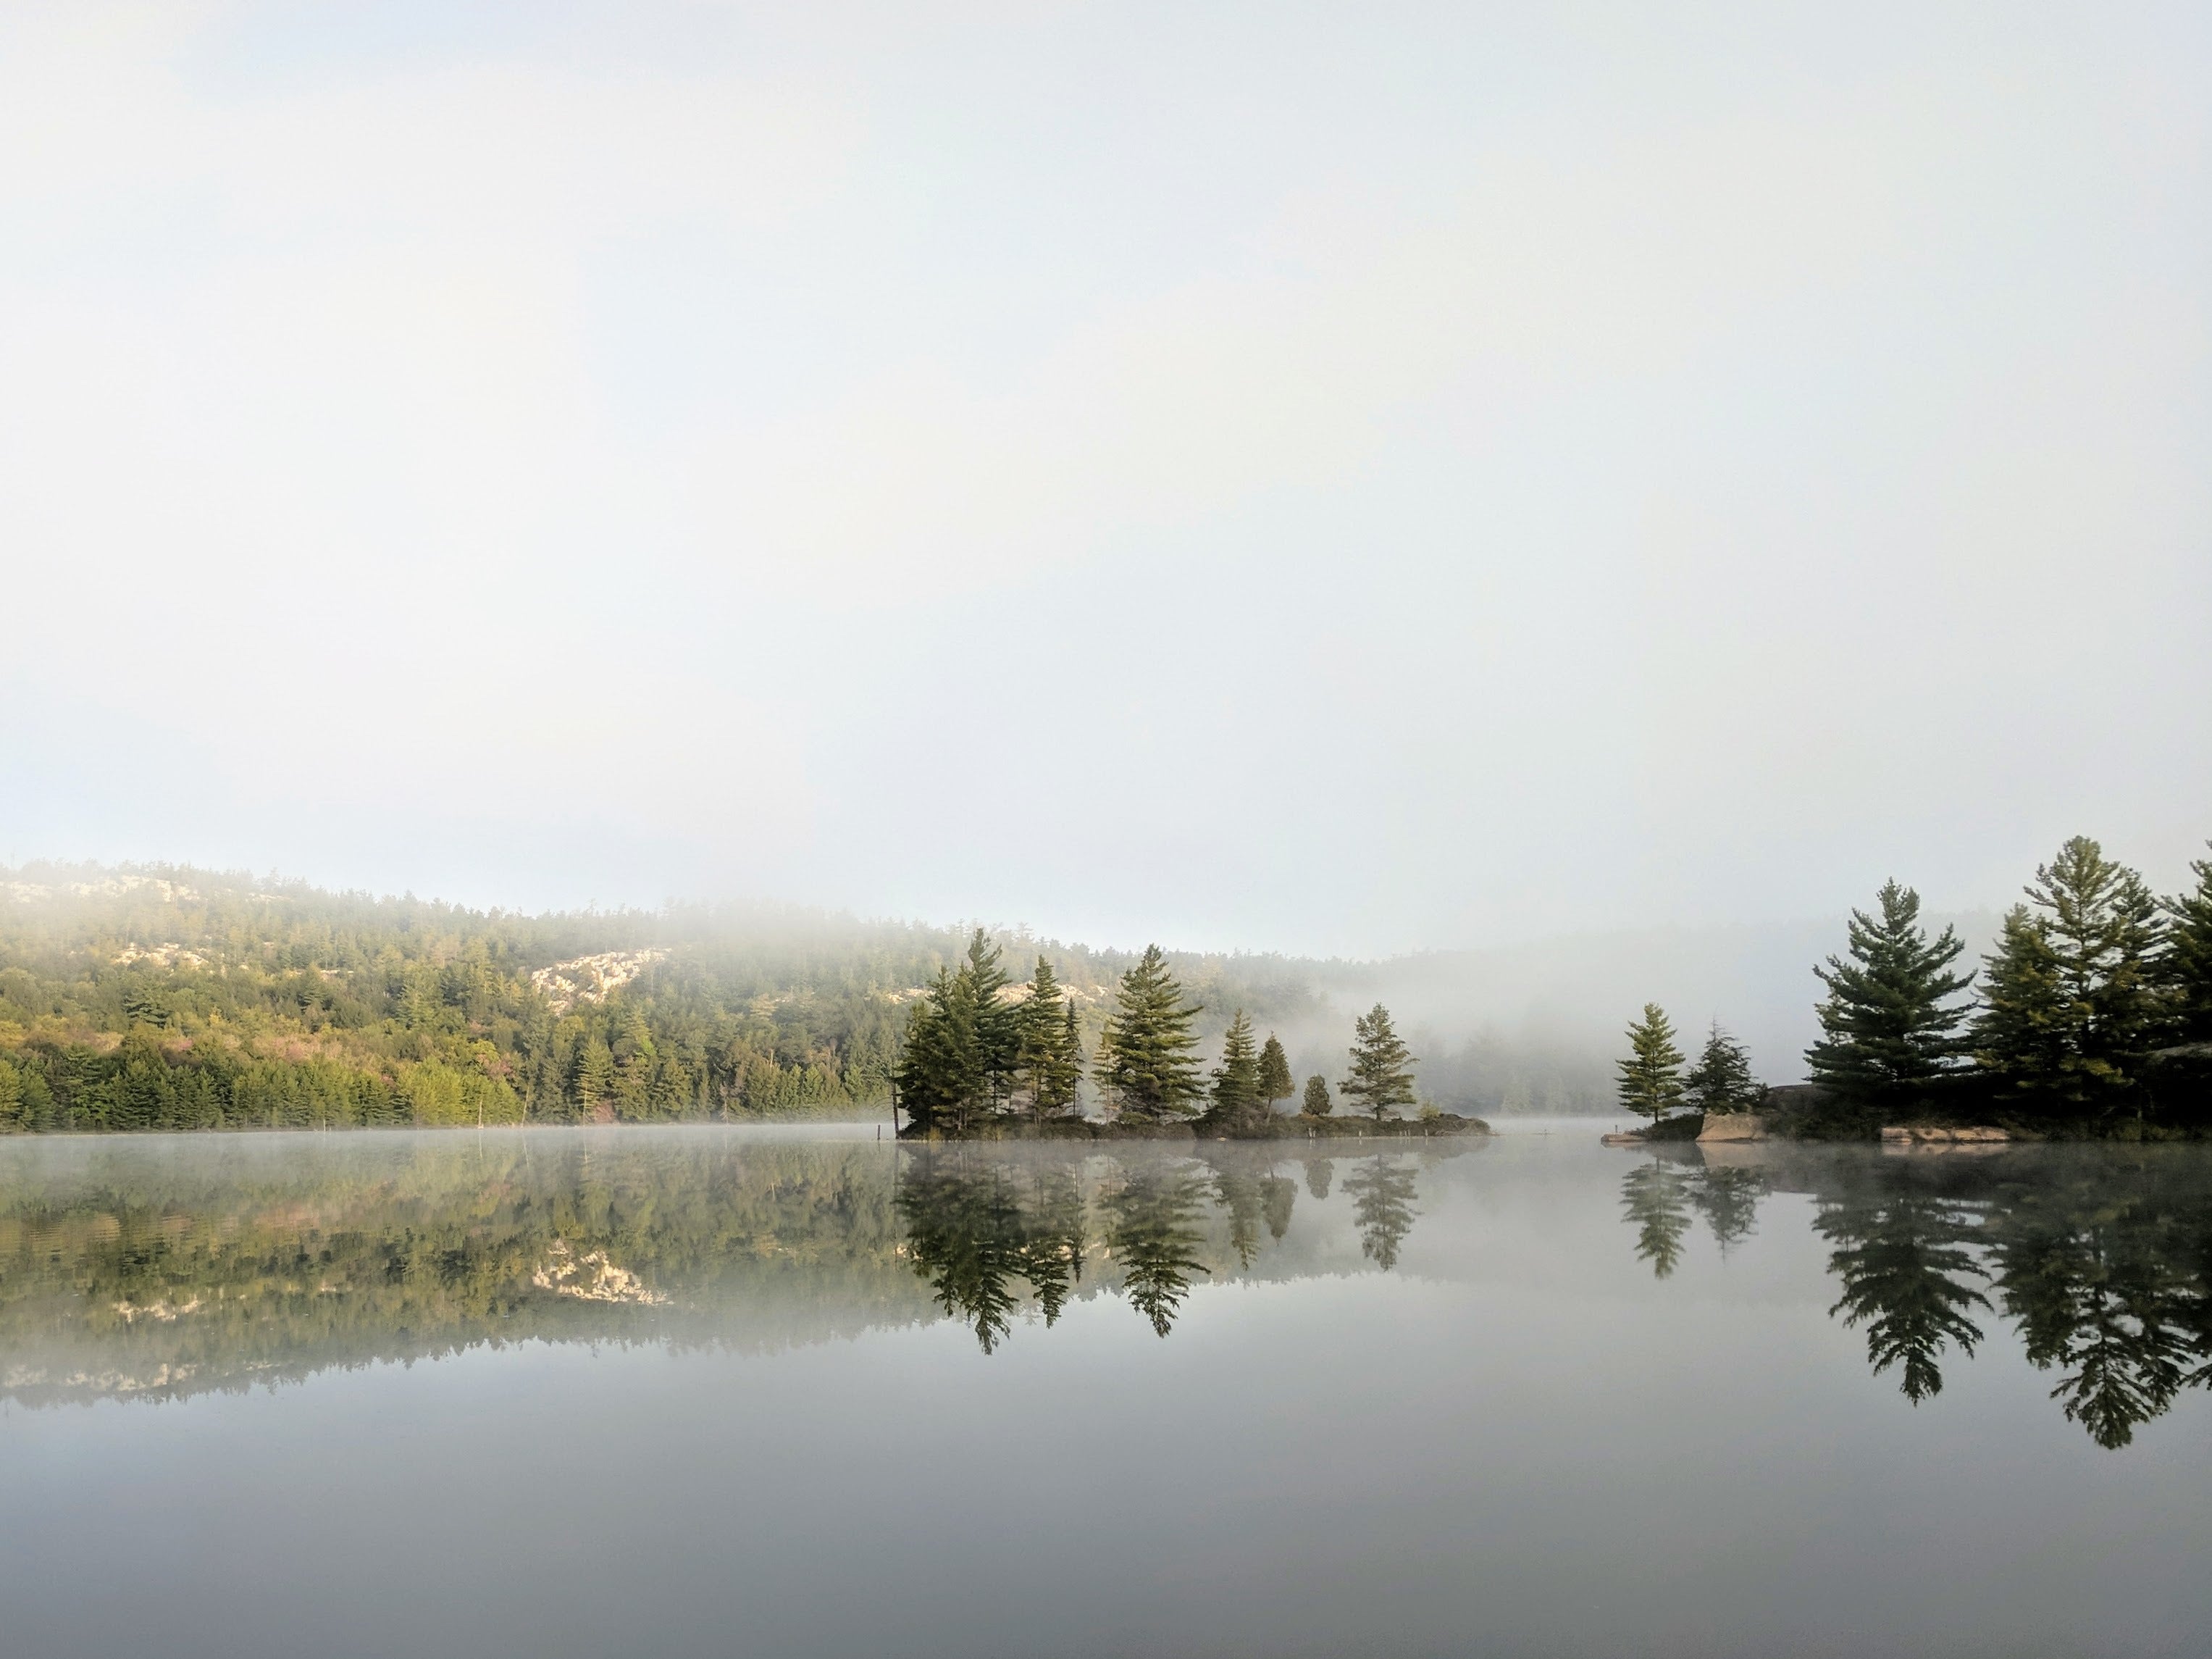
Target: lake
x=801 y=1391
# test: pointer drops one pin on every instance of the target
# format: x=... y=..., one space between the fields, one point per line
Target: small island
x=986 y=1059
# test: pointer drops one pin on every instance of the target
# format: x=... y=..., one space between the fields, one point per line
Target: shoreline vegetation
x=978 y=1063
x=164 y=999
x=2091 y=1020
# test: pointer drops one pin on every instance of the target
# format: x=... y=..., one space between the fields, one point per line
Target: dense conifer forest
x=178 y=998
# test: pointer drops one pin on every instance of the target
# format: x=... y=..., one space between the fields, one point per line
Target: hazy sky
x=1339 y=478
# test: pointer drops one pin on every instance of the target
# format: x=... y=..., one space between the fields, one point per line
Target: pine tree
x=1722 y=1081
x=997 y=1023
x=1380 y=1079
x=942 y=1082
x=1275 y=1083
x=2072 y=998
x=1651 y=1077
x=1889 y=1027
x=1147 y=1060
x=1069 y=1064
x=1050 y=1055
x=2186 y=964
x=1317 y=1102
x=1237 y=1080
x=592 y=1083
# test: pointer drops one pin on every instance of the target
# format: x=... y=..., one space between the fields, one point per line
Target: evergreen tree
x=592 y=1084
x=1237 y=1080
x=1651 y=1077
x=2072 y=999
x=1070 y=1062
x=1381 y=1079
x=942 y=1082
x=1275 y=1082
x=997 y=1023
x=1147 y=1060
x=2186 y=964
x=1317 y=1102
x=1889 y=1027
x=1722 y=1081
x=1050 y=1058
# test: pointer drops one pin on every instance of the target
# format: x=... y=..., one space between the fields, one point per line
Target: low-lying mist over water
x=566 y=1390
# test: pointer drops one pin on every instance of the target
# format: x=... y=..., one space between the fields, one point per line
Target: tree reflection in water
x=2101 y=1256
x=1900 y=1257
x=1655 y=1197
x=1152 y=1228
x=1382 y=1190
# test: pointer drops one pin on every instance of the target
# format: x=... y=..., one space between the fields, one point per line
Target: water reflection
x=2101 y=1257
x=1382 y=1190
x=154 y=1269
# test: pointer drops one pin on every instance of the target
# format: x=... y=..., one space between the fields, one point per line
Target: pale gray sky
x=1325 y=478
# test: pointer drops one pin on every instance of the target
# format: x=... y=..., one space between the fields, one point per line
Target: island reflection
x=2099 y=1257
x=159 y=1269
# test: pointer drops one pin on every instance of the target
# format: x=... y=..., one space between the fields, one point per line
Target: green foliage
x=1275 y=1080
x=2185 y=967
x=1147 y=1060
x=1651 y=1077
x=1382 y=1079
x=1049 y=1062
x=1722 y=1081
x=1237 y=1079
x=2072 y=998
x=1317 y=1102
x=182 y=998
x=1890 y=1028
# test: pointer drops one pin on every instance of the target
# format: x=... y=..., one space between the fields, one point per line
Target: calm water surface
x=728 y=1392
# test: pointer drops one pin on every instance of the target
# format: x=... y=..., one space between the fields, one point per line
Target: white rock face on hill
x=592 y=979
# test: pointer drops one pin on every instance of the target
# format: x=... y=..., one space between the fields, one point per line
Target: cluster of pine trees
x=2094 y=1012
x=977 y=1047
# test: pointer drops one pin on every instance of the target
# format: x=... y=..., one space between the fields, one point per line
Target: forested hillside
x=168 y=998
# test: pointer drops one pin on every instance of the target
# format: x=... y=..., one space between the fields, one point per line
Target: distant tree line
x=185 y=1000
x=2093 y=1014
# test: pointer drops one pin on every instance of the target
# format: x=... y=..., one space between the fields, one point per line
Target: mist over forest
x=234 y=999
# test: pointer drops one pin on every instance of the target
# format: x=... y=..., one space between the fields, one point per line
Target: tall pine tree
x=997 y=1023
x=1050 y=1057
x=2072 y=1000
x=1651 y=1077
x=1237 y=1080
x=1275 y=1083
x=1889 y=1027
x=1381 y=1078
x=2186 y=964
x=1147 y=1060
